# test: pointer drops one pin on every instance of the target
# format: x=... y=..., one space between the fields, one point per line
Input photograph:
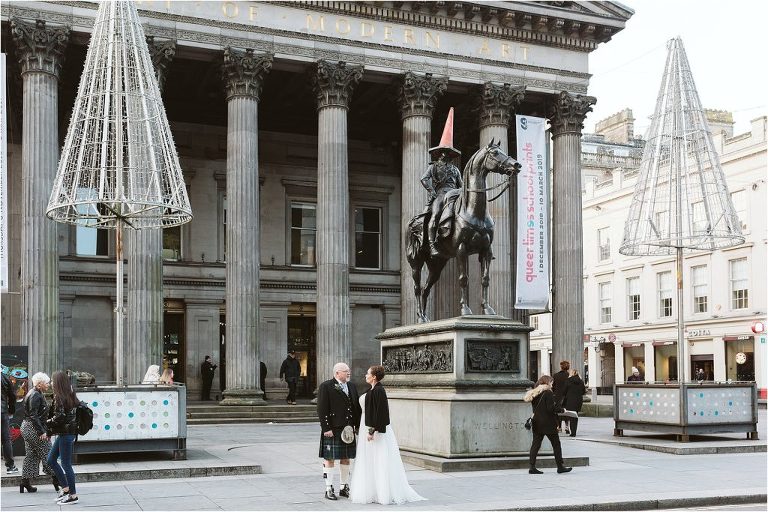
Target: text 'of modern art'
x=119 y=165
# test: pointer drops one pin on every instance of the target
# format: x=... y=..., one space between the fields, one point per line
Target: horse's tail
x=414 y=237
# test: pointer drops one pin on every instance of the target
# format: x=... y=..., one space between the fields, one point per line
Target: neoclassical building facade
x=302 y=129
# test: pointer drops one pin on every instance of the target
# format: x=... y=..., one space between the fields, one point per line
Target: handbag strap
x=541 y=397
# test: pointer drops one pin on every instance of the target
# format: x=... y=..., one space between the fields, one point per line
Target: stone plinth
x=456 y=386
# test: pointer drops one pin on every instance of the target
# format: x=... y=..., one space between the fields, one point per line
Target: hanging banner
x=532 y=215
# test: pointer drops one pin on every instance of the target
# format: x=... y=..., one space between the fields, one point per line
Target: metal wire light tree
x=119 y=163
x=681 y=200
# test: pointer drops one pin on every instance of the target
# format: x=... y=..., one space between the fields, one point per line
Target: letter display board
x=657 y=405
x=129 y=415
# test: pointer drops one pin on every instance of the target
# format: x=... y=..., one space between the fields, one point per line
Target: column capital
x=418 y=95
x=244 y=72
x=497 y=103
x=40 y=48
x=567 y=112
x=334 y=83
x=162 y=54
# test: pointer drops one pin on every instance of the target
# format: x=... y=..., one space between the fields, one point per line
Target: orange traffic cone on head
x=446 y=141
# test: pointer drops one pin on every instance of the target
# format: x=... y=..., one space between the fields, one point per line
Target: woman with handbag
x=36 y=442
x=62 y=423
x=574 y=399
x=544 y=422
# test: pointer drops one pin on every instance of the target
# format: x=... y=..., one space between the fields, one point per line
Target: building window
x=533 y=321
x=91 y=241
x=662 y=224
x=699 y=218
x=633 y=298
x=739 y=285
x=368 y=238
x=603 y=244
x=664 y=287
x=739 y=200
x=700 y=288
x=303 y=234
x=172 y=243
x=604 y=290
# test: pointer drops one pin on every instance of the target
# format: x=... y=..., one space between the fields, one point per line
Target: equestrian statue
x=455 y=222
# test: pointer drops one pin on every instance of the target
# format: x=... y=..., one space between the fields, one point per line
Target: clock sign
x=741 y=358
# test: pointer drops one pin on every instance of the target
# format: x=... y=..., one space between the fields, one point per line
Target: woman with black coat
x=62 y=423
x=545 y=420
x=33 y=430
x=574 y=398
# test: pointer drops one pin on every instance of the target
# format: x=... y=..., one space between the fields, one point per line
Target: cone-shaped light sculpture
x=681 y=200
x=119 y=161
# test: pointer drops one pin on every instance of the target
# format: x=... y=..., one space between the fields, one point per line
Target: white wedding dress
x=378 y=475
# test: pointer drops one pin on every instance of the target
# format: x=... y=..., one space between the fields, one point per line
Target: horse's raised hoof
x=488 y=310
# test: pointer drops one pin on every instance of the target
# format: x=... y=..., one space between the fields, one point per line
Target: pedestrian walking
x=339 y=411
x=34 y=432
x=62 y=423
x=263 y=378
x=290 y=371
x=558 y=386
x=574 y=399
x=8 y=410
x=545 y=409
x=206 y=372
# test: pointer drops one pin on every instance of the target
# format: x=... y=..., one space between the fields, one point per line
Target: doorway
x=704 y=362
x=301 y=338
x=174 y=348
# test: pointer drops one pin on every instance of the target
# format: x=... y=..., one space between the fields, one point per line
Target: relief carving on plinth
x=244 y=72
x=568 y=111
x=492 y=356
x=418 y=95
x=498 y=102
x=334 y=83
x=40 y=48
x=421 y=358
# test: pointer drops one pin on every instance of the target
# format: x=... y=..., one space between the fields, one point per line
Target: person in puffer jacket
x=62 y=423
x=545 y=420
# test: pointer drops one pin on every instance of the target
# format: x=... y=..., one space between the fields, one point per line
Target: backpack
x=84 y=418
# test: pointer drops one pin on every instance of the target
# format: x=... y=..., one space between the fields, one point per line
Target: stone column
x=566 y=118
x=333 y=84
x=243 y=73
x=496 y=107
x=41 y=55
x=144 y=252
x=418 y=96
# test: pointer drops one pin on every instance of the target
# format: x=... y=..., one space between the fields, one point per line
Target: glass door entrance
x=301 y=338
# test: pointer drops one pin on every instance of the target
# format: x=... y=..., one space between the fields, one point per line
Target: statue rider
x=440 y=177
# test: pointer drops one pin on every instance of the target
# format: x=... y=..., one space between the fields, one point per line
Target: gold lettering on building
x=315 y=25
x=525 y=52
x=505 y=51
x=252 y=12
x=432 y=40
x=388 y=33
x=408 y=36
x=366 y=30
x=343 y=27
x=230 y=9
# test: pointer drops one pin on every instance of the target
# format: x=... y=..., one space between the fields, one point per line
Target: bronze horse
x=465 y=228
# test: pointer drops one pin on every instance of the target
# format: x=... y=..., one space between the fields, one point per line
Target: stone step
x=270 y=408
x=246 y=414
x=228 y=421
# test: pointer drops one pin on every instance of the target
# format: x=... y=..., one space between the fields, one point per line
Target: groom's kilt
x=333 y=448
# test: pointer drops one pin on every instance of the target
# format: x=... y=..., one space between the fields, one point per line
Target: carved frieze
x=244 y=72
x=418 y=95
x=161 y=53
x=422 y=358
x=334 y=83
x=568 y=111
x=40 y=48
x=497 y=103
x=492 y=356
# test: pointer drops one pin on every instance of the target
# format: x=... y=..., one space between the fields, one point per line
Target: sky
x=725 y=42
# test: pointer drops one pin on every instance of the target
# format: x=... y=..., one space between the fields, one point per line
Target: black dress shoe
x=330 y=495
x=534 y=471
x=563 y=469
x=344 y=492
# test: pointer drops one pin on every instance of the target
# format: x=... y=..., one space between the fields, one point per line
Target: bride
x=378 y=475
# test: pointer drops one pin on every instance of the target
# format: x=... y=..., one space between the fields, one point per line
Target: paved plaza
x=618 y=477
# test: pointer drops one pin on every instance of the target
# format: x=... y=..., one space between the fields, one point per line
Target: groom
x=338 y=405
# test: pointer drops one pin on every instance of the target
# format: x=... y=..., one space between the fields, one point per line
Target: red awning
x=743 y=337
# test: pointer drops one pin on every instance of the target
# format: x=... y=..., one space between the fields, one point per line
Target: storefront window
x=606 y=302
x=740 y=358
x=633 y=298
x=664 y=287
x=303 y=234
x=700 y=288
x=368 y=238
x=739 y=285
x=665 y=357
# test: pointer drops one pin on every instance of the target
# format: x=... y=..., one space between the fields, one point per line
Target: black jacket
x=290 y=369
x=36 y=410
x=574 y=393
x=545 y=409
x=207 y=369
x=558 y=386
x=335 y=409
x=9 y=396
x=62 y=420
x=377 y=409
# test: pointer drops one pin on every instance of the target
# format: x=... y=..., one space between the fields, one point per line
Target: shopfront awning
x=630 y=345
x=739 y=338
x=661 y=343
